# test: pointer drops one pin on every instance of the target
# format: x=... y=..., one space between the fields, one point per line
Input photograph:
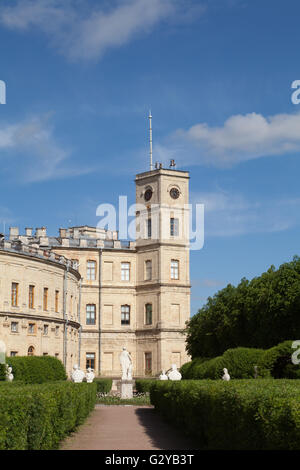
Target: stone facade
x=133 y=294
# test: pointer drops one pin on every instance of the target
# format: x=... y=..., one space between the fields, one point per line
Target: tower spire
x=150 y=137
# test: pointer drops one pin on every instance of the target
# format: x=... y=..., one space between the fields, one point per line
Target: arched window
x=30 y=351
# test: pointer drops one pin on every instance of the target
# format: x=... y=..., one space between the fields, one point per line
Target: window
x=57 y=355
x=31 y=328
x=90 y=360
x=125 y=314
x=45 y=299
x=125 y=271
x=148 y=309
x=149 y=228
x=56 y=300
x=14 y=327
x=30 y=351
x=91 y=314
x=148 y=363
x=56 y=330
x=13 y=353
x=45 y=354
x=174 y=227
x=174 y=269
x=71 y=305
x=31 y=297
x=91 y=270
x=46 y=329
x=148 y=270
x=14 y=294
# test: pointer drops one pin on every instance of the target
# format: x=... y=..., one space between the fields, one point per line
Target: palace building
x=85 y=294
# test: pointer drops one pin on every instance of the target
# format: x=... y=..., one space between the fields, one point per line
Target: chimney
x=41 y=232
x=28 y=232
x=13 y=232
x=63 y=233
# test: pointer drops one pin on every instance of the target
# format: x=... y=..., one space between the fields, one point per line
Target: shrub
x=36 y=369
x=103 y=385
x=143 y=385
x=37 y=417
x=2 y=372
x=241 y=414
x=276 y=362
x=240 y=362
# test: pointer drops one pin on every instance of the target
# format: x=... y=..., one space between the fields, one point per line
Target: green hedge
x=240 y=362
x=36 y=369
x=103 y=385
x=2 y=372
x=143 y=385
x=241 y=414
x=38 y=417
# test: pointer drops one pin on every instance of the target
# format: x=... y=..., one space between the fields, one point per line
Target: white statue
x=77 y=374
x=226 y=376
x=9 y=375
x=126 y=364
x=90 y=375
x=163 y=375
x=174 y=374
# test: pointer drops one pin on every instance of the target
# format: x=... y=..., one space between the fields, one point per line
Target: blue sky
x=217 y=74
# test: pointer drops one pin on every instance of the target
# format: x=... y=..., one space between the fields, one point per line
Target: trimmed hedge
x=36 y=369
x=103 y=385
x=242 y=414
x=38 y=417
x=2 y=372
x=240 y=362
x=144 y=385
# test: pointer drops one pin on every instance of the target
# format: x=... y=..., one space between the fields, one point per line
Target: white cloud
x=228 y=214
x=30 y=152
x=241 y=138
x=87 y=33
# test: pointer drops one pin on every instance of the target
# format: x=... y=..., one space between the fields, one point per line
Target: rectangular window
x=90 y=360
x=148 y=363
x=125 y=315
x=45 y=354
x=174 y=269
x=148 y=270
x=45 y=299
x=125 y=271
x=14 y=327
x=14 y=294
x=46 y=329
x=13 y=353
x=31 y=297
x=148 y=308
x=31 y=328
x=71 y=305
x=56 y=300
x=174 y=227
x=91 y=270
x=149 y=228
x=91 y=314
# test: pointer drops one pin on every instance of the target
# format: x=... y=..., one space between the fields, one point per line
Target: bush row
x=38 y=417
x=243 y=414
x=143 y=385
x=240 y=362
x=103 y=385
x=36 y=369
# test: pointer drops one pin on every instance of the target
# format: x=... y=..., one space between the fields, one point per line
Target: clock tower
x=163 y=280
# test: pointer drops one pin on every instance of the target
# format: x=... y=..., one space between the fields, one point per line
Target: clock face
x=148 y=194
x=174 y=193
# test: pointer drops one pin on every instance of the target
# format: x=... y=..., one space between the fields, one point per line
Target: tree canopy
x=259 y=313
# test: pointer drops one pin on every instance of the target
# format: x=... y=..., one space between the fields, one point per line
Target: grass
x=141 y=399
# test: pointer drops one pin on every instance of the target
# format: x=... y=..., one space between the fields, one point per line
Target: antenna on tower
x=150 y=136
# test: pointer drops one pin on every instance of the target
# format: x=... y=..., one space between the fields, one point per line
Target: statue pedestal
x=126 y=388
